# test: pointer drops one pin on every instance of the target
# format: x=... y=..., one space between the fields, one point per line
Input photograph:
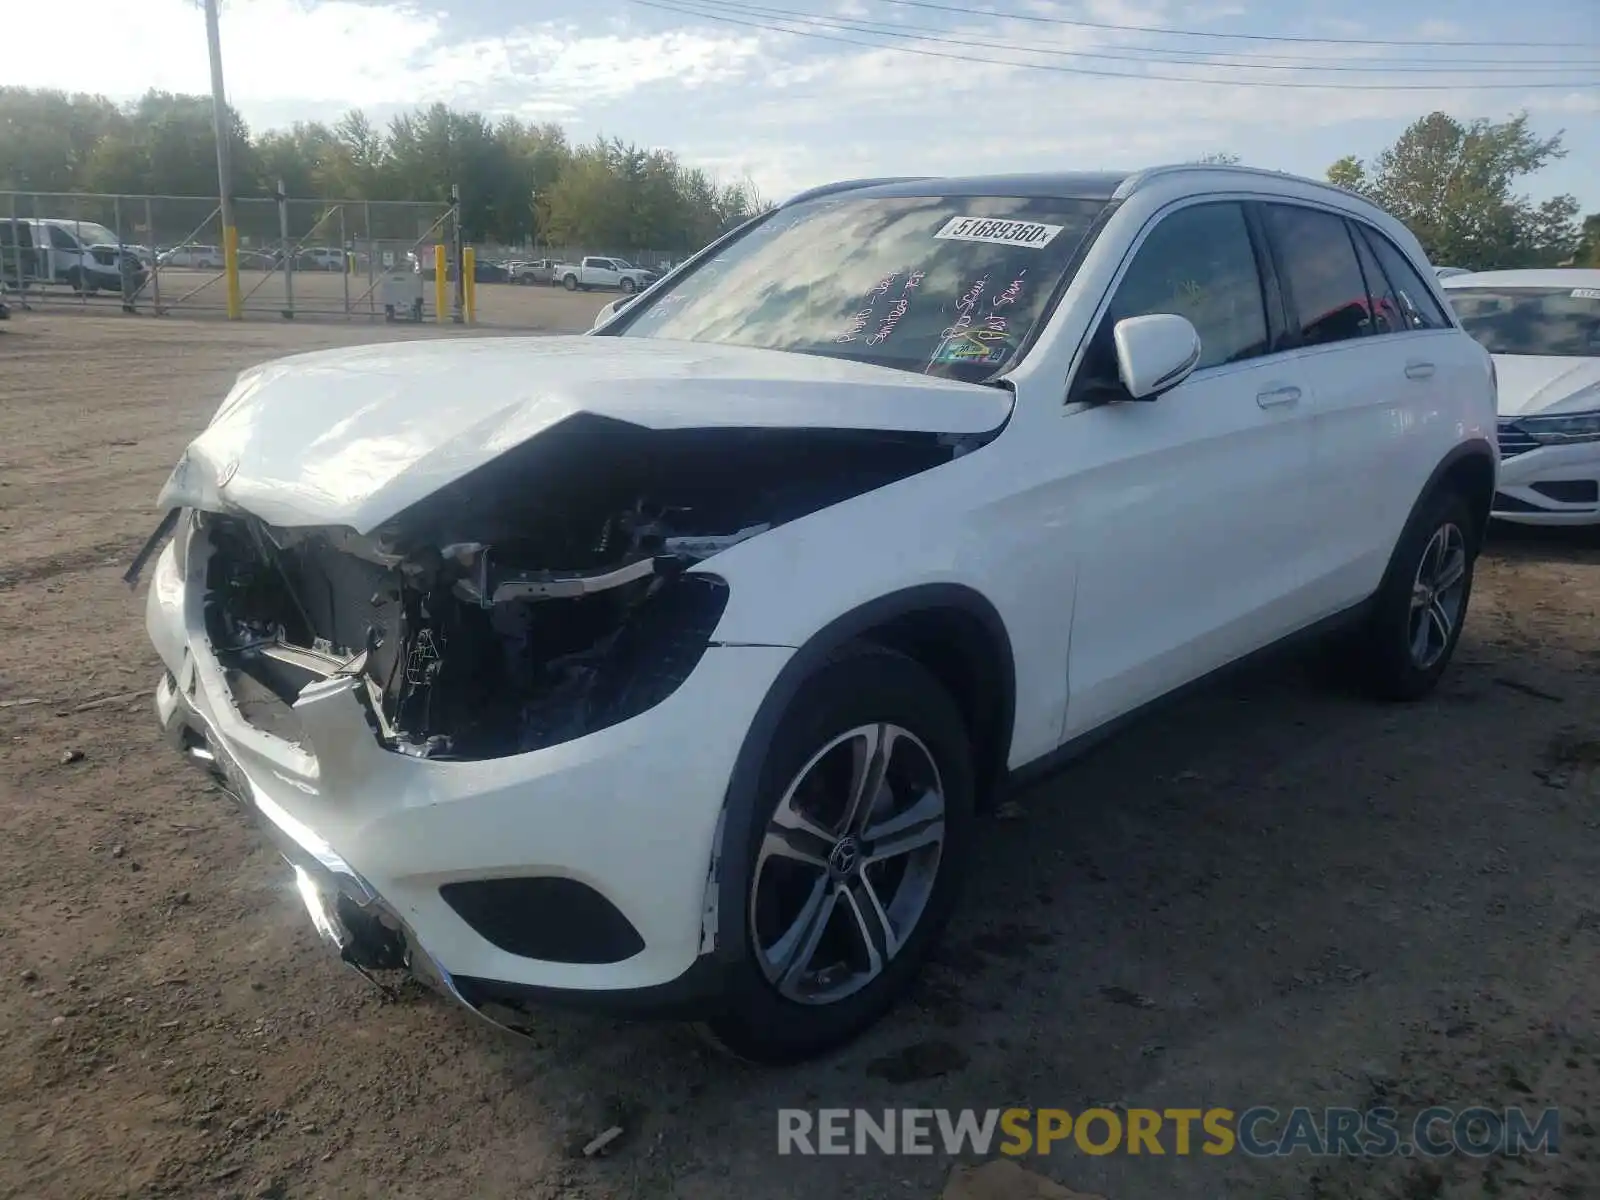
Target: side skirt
x=1030 y=773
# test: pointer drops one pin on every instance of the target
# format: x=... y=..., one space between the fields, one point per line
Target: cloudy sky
x=797 y=92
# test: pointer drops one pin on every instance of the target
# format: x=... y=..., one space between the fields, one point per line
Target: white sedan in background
x=1543 y=329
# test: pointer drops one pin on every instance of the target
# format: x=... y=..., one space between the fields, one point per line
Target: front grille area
x=1513 y=441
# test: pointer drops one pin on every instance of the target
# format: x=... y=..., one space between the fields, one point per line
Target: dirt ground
x=1272 y=893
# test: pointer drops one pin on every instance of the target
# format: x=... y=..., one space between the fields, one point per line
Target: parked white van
x=84 y=255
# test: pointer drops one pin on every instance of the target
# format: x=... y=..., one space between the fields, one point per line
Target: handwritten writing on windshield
x=863 y=316
x=980 y=335
x=897 y=309
x=966 y=306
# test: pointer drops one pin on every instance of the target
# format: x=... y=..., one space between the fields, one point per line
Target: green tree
x=520 y=182
x=1456 y=186
x=1588 y=252
x=48 y=138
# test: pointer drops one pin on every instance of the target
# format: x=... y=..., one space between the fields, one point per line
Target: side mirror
x=609 y=311
x=1155 y=353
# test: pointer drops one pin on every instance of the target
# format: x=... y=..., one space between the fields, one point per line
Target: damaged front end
x=549 y=593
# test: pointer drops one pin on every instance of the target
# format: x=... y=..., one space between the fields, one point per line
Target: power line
x=1247 y=37
x=1137 y=54
x=682 y=8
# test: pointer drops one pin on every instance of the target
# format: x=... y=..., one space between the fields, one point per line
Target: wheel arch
x=1469 y=468
x=954 y=632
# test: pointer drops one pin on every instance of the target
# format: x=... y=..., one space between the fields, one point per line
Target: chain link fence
x=165 y=255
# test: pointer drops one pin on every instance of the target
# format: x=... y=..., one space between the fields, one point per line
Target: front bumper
x=631 y=811
x=1550 y=485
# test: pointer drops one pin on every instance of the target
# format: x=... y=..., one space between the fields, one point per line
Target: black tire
x=863 y=685
x=570 y=282
x=1386 y=647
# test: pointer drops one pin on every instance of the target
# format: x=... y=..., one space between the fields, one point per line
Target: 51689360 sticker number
x=998 y=231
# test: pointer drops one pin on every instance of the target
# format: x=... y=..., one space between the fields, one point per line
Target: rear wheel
x=1422 y=605
x=570 y=283
x=854 y=862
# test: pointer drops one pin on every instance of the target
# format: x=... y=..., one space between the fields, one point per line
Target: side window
x=60 y=239
x=1320 y=273
x=1420 y=309
x=1385 y=307
x=1197 y=263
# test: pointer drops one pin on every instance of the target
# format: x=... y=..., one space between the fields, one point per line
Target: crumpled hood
x=1535 y=385
x=352 y=437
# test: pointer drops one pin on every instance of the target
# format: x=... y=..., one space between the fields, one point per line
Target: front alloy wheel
x=848 y=864
x=852 y=858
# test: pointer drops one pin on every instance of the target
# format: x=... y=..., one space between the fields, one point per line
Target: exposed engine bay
x=546 y=595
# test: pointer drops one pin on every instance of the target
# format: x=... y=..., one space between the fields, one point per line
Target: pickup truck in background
x=539 y=270
x=597 y=272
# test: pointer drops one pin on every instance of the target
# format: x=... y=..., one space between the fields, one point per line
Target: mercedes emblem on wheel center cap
x=845 y=858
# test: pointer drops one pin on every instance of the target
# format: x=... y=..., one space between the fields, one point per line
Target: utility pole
x=224 y=129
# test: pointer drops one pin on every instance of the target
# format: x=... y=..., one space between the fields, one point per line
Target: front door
x=1194 y=504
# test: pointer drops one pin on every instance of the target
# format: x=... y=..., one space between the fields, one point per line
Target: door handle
x=1419 y=370
x=1278 y=396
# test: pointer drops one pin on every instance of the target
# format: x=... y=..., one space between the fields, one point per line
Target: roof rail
x=849 y=185
x=1140 y=178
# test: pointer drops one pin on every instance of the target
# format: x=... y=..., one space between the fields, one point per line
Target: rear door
x=1372 y=352
x=1195 y=503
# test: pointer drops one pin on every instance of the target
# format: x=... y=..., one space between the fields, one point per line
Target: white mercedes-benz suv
x=666 y=668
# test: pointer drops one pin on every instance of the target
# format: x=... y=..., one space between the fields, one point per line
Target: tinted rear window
x=1551 y=322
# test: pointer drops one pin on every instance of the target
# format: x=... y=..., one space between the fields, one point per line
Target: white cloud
x=337 y=54
x=912 y=114
x=793 y=111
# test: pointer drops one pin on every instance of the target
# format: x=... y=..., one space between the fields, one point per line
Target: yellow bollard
x=469 y=282
x=230 y=267
x=441 y=311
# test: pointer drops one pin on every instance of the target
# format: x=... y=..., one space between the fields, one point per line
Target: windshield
x=943 y=285
x=1556 y=322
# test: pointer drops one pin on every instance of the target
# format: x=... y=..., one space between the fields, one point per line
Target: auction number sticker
x=1586 y=293
x=998 y=231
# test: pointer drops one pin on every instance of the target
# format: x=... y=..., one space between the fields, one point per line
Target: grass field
x=1272 y=893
